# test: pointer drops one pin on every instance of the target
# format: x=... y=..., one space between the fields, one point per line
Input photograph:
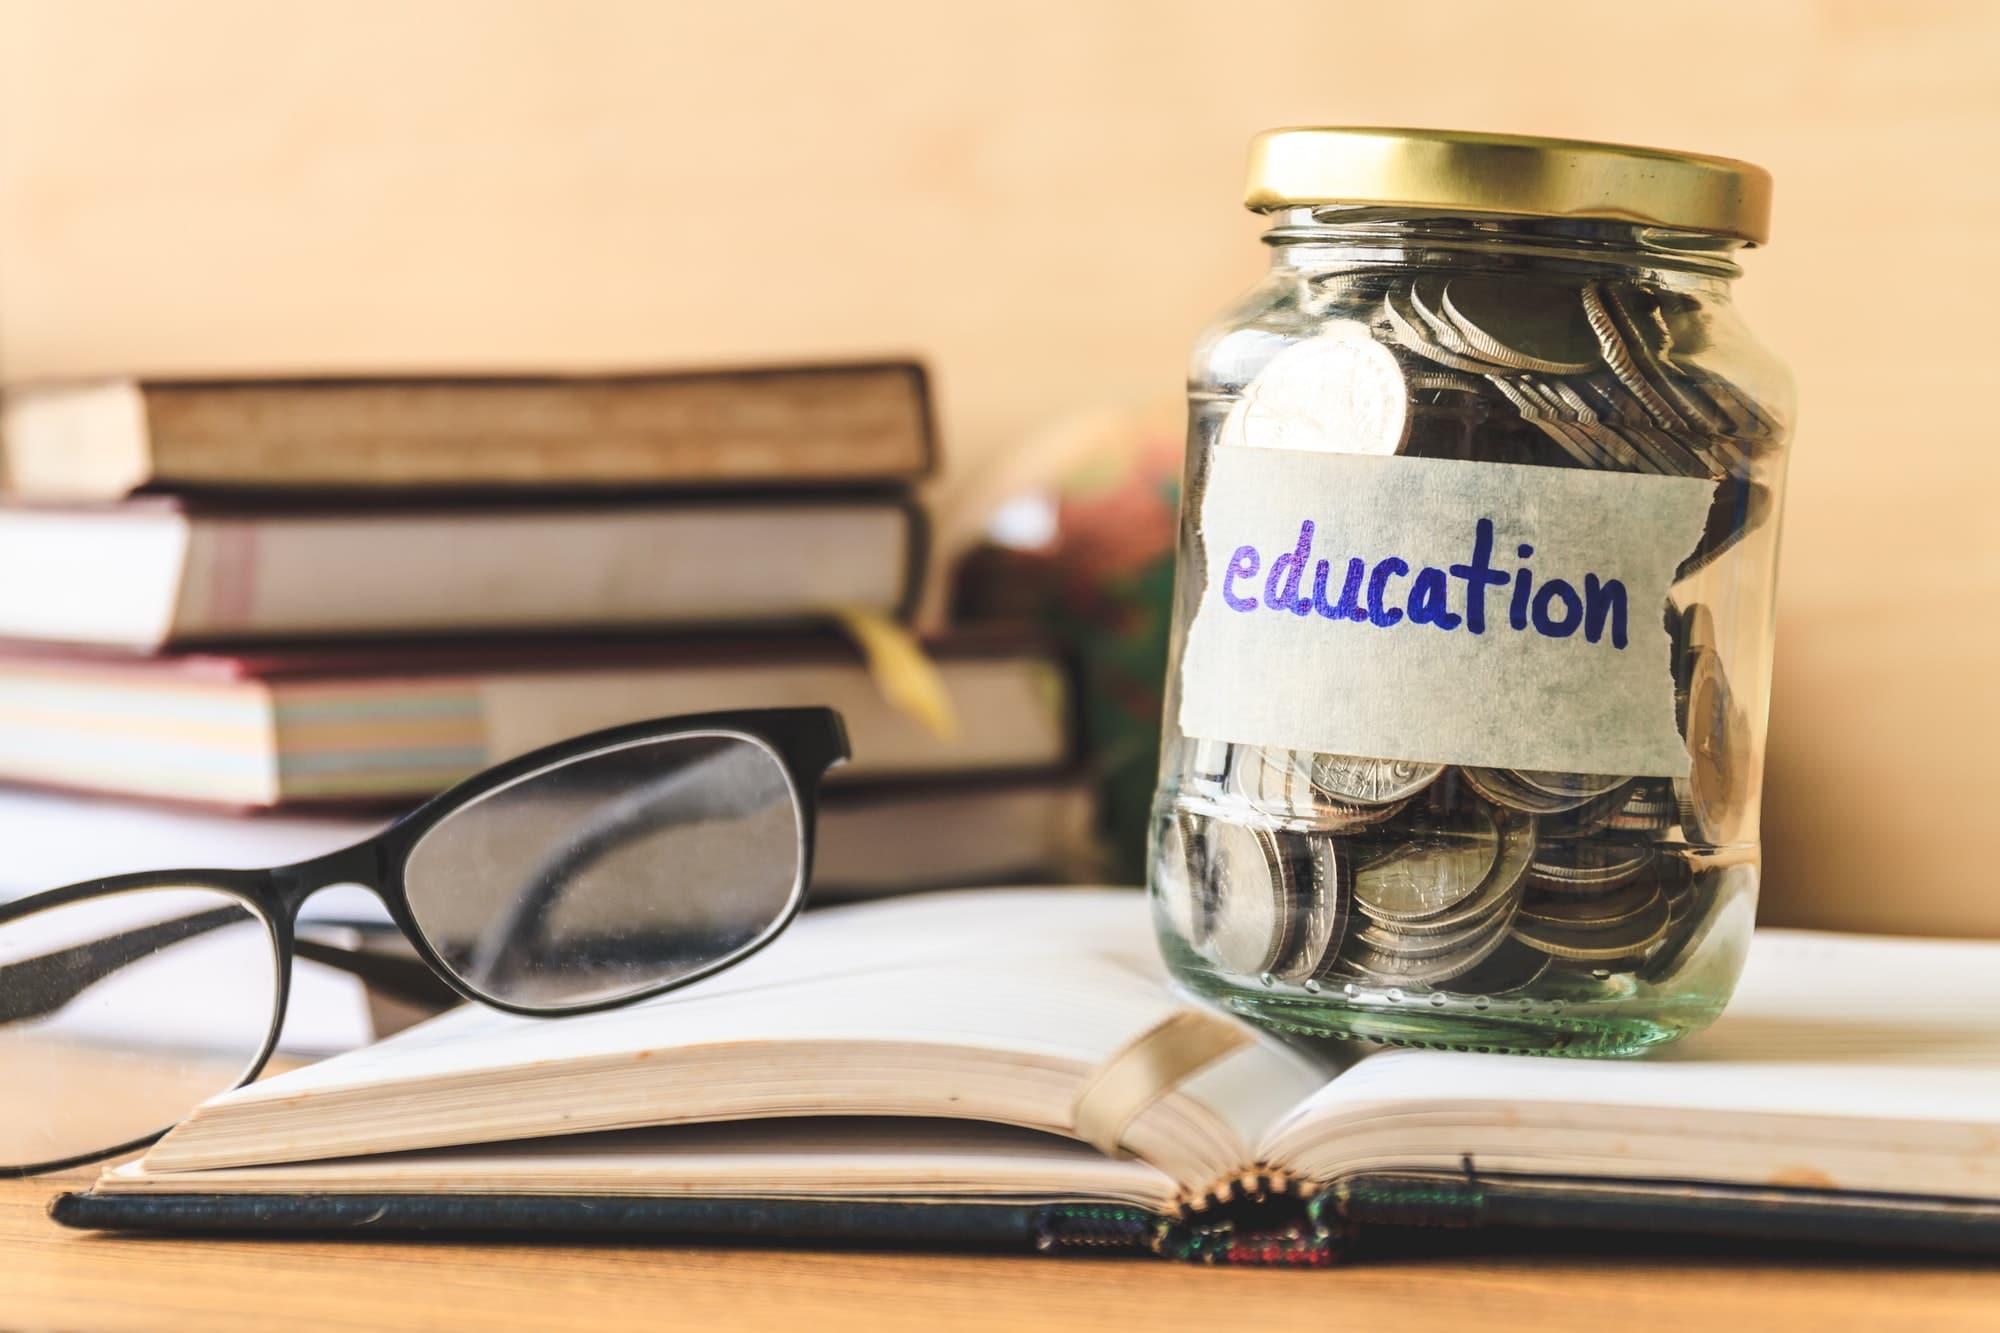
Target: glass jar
x=1465 y=711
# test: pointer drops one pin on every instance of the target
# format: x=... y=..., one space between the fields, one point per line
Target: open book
x=1020 y=1054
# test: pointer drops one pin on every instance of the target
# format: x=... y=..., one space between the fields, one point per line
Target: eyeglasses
x=592 y=873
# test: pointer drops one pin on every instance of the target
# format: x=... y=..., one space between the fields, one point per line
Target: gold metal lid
x=1448 y=171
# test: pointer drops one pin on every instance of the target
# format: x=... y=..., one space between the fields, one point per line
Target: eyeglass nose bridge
x=369 y=865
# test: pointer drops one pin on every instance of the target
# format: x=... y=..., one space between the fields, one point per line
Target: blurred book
x=249 y=620
x=872 y=839
x=766 y=427
x=401 y=721
x=156 y=571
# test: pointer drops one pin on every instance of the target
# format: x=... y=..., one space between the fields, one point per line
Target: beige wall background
x=1040 y=198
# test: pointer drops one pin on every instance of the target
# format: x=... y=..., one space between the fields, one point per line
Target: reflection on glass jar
x=1465 y=714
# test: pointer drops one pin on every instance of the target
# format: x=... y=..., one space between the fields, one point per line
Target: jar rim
x=1509 y=175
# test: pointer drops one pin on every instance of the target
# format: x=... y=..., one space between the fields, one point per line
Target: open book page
x=1844 y=1062
x=994 y=1005
x=908 y=1160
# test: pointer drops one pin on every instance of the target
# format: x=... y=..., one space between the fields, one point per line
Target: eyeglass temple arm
x=38 y=986
x=409 y=980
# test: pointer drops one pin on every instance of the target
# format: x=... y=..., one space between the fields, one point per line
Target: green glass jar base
x=1594 y=1013
x=1459 y=1023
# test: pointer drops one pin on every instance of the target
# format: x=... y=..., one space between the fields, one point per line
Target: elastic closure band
x=1150 y=1066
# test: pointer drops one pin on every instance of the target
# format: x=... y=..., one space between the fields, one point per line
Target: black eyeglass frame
x=807 y=742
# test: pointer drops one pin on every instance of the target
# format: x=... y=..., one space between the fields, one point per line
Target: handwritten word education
x=1369 y=595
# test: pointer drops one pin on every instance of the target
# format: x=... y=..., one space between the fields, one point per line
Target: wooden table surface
x=56 y=1279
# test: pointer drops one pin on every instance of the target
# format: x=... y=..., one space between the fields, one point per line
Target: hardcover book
x=867 y=422
x=402 y=721
x=1013 y=1068
x=157 y=571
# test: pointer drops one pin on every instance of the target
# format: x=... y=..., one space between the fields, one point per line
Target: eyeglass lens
x=120 y=1013
x=612 y=872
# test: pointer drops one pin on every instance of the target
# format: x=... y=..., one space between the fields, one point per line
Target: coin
x=1502 y=882
x=1577 y=445
x=1502 y=787
x=1403 y=944
x=1611 y=909
x=1406 y=325
x=1512 y=966
x=1436 y=864
x=1356 y=781
x=1275 y=781
x=1587 y=867
x=1584 y=785
x=1611 y=345
x=1713 y=794
x=1740 y=507
x=1250 y=882
x=1522 y=326
x=1402 y=969
x=1620 y=301
x=1180 y=881
x=1322 y=902
x=1429 y=310
x=1648 y=807
x=1608 y=944
x=1592 y=817
x=1280 y=783
x=1338 y=392
x=1608 y=439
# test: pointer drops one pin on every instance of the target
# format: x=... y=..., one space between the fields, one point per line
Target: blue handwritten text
x=1446 y=599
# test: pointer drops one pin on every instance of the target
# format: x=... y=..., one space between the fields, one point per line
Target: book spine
x=1077 y=1228
x=1263 y=1219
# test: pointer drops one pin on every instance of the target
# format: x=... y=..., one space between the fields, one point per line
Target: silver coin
x=1353 y=780
x=1554 y=416
x=1433 y=869
x=1500 y=320
x=1618 y=409
x=1405 y=325
x=1612 y=944
x=1586 y=867
x=1443 y=381
x=1279 y=783
x=1321 y=904
x=1400 y=970
x=1338 y=391
x=1275 y=781
x=1611 y=345
x=1388 y=940
x=1585 y=785
x=1571 y=443
x=1589 y=819
x=1248 y=881
x=1741 y=507
x=1502 y=883
x=1512 y=966
x=1180 y=889
x=1611 y=909
x=1648 y=807
x=1621 y=301
x=1445 y=333
x=1607 y=438
x=1500 y=786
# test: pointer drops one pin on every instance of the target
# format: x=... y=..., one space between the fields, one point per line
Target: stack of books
x=289 y=608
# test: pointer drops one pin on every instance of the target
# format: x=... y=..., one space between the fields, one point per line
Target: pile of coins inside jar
x=1303 y=868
